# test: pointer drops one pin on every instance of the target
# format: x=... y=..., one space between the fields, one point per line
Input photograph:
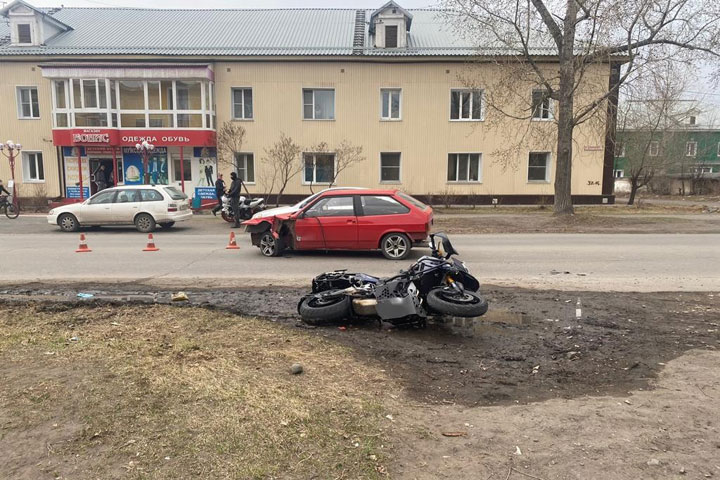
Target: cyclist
x=3 y=190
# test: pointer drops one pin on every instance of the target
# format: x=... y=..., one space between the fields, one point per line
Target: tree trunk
x=565 y=119
x=633 y=191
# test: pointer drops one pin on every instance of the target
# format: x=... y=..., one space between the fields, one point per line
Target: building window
x=718 y=151
x=390 y=167
x=539 y=167
x=541 y=105
x=318 y=104
x=319 y=168
x=245 y=167
x=391 y=36
x=242 y=103
x=618 y=173
x=186 y=169
x=466 y=105
x=692 y=120
x=619 y=149
x=702 y=170
x=690 y=149
x=24 y=34
x=654 y=149
x=464 y=167
x=390 y=103
x=32 y=165
x=28 y=106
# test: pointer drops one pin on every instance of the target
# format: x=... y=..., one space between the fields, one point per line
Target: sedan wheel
x=144 y=223
x=68 y=222
x=395 y=246
x=269 y=245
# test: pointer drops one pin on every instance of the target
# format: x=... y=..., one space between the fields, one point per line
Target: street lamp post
x=145 y=148
x=11 y=150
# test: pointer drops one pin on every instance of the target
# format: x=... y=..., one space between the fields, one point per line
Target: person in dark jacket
x=234 y=194
x=219 y=192
x=3 y=189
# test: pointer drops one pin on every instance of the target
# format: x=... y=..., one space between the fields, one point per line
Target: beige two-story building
x=81 y=87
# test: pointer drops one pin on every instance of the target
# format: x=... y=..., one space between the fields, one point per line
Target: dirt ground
x=629 y=389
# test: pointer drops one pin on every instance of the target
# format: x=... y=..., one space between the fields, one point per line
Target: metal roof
x=281 y=32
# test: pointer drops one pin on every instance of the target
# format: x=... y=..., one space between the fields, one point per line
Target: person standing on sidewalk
x=219 y=192
x=234 y=194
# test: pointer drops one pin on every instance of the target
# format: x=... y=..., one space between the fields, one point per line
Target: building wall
x=35 y=135
x=424 y=136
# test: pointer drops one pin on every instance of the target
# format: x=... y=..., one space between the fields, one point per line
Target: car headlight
x=51 y=212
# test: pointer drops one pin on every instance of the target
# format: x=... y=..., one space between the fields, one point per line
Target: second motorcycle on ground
x=434 y=285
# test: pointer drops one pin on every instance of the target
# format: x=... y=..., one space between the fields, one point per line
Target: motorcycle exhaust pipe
x=364 y=306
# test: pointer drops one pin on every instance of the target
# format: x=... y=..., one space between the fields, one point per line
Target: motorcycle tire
x=227 y=217
x=449 y=302
x=314 y=313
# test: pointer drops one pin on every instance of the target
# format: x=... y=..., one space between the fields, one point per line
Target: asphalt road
x=194 y=255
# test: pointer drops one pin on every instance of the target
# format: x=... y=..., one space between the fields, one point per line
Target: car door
x=97 y=210
x=378 y=215
x=126 y=205
x=328 y=223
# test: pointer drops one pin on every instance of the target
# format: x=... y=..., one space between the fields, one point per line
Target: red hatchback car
x=346 y=219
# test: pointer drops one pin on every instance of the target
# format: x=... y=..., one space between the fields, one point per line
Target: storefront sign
x=133 y=168
x=129 y=138
x=72 y=176
x=74 y=192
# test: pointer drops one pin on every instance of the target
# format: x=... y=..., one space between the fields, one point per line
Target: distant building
x=81 y=86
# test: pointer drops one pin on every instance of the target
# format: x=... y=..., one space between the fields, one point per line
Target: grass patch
x=163 y=392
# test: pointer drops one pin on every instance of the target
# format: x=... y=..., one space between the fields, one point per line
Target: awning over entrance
x=135 y=71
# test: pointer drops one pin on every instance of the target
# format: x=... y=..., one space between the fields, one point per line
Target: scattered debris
x=517 y=450
x=85 y=295
x=390 y=417
x=454 y=434
x=179 y=297
x=653 y=462
x=296 y=369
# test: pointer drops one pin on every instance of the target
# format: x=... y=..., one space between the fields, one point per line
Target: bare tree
x=582 y=36
x=345 y=154
x=652 y=115
x=280 y=165
x=230 y=139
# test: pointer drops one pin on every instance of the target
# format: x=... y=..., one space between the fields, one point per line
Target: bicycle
x=8 y=205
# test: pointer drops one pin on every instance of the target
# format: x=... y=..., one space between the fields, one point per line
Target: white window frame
x=457 y=160
x=691 y=149
x=620 y=153
x=548 y=168
x=26 y=154
x=245 y=154
x=389 y=91
x=718 y=149
x=313 y=90
x=549 y=110
x=314 y=154
x=17 y=33
x=391 y=182
x=654 y=148
x=473 y=91
x=232 y=104
x=18 y=94
x=620 y=172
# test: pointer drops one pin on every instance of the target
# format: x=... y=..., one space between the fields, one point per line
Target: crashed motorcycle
x=437 y=284
x=248 y=208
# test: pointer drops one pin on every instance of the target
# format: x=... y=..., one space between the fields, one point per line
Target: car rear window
x=174 y=193
x=151 y=196
x=412 y=200
x=381 y=205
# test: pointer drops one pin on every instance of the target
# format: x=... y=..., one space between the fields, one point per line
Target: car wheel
x=269 y=245
x=167 y=225
x=395 y=246
x=145 y=223
x=68 y=223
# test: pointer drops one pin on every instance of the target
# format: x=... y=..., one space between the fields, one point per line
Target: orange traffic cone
x=83 y=245
x=232 y=245
x=151 y=244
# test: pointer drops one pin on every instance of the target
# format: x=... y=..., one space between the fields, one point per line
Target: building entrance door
x=101 y=174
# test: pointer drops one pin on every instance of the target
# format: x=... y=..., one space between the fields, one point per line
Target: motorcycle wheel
x=228 y=218
x=449 y=302
x=316 y=311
